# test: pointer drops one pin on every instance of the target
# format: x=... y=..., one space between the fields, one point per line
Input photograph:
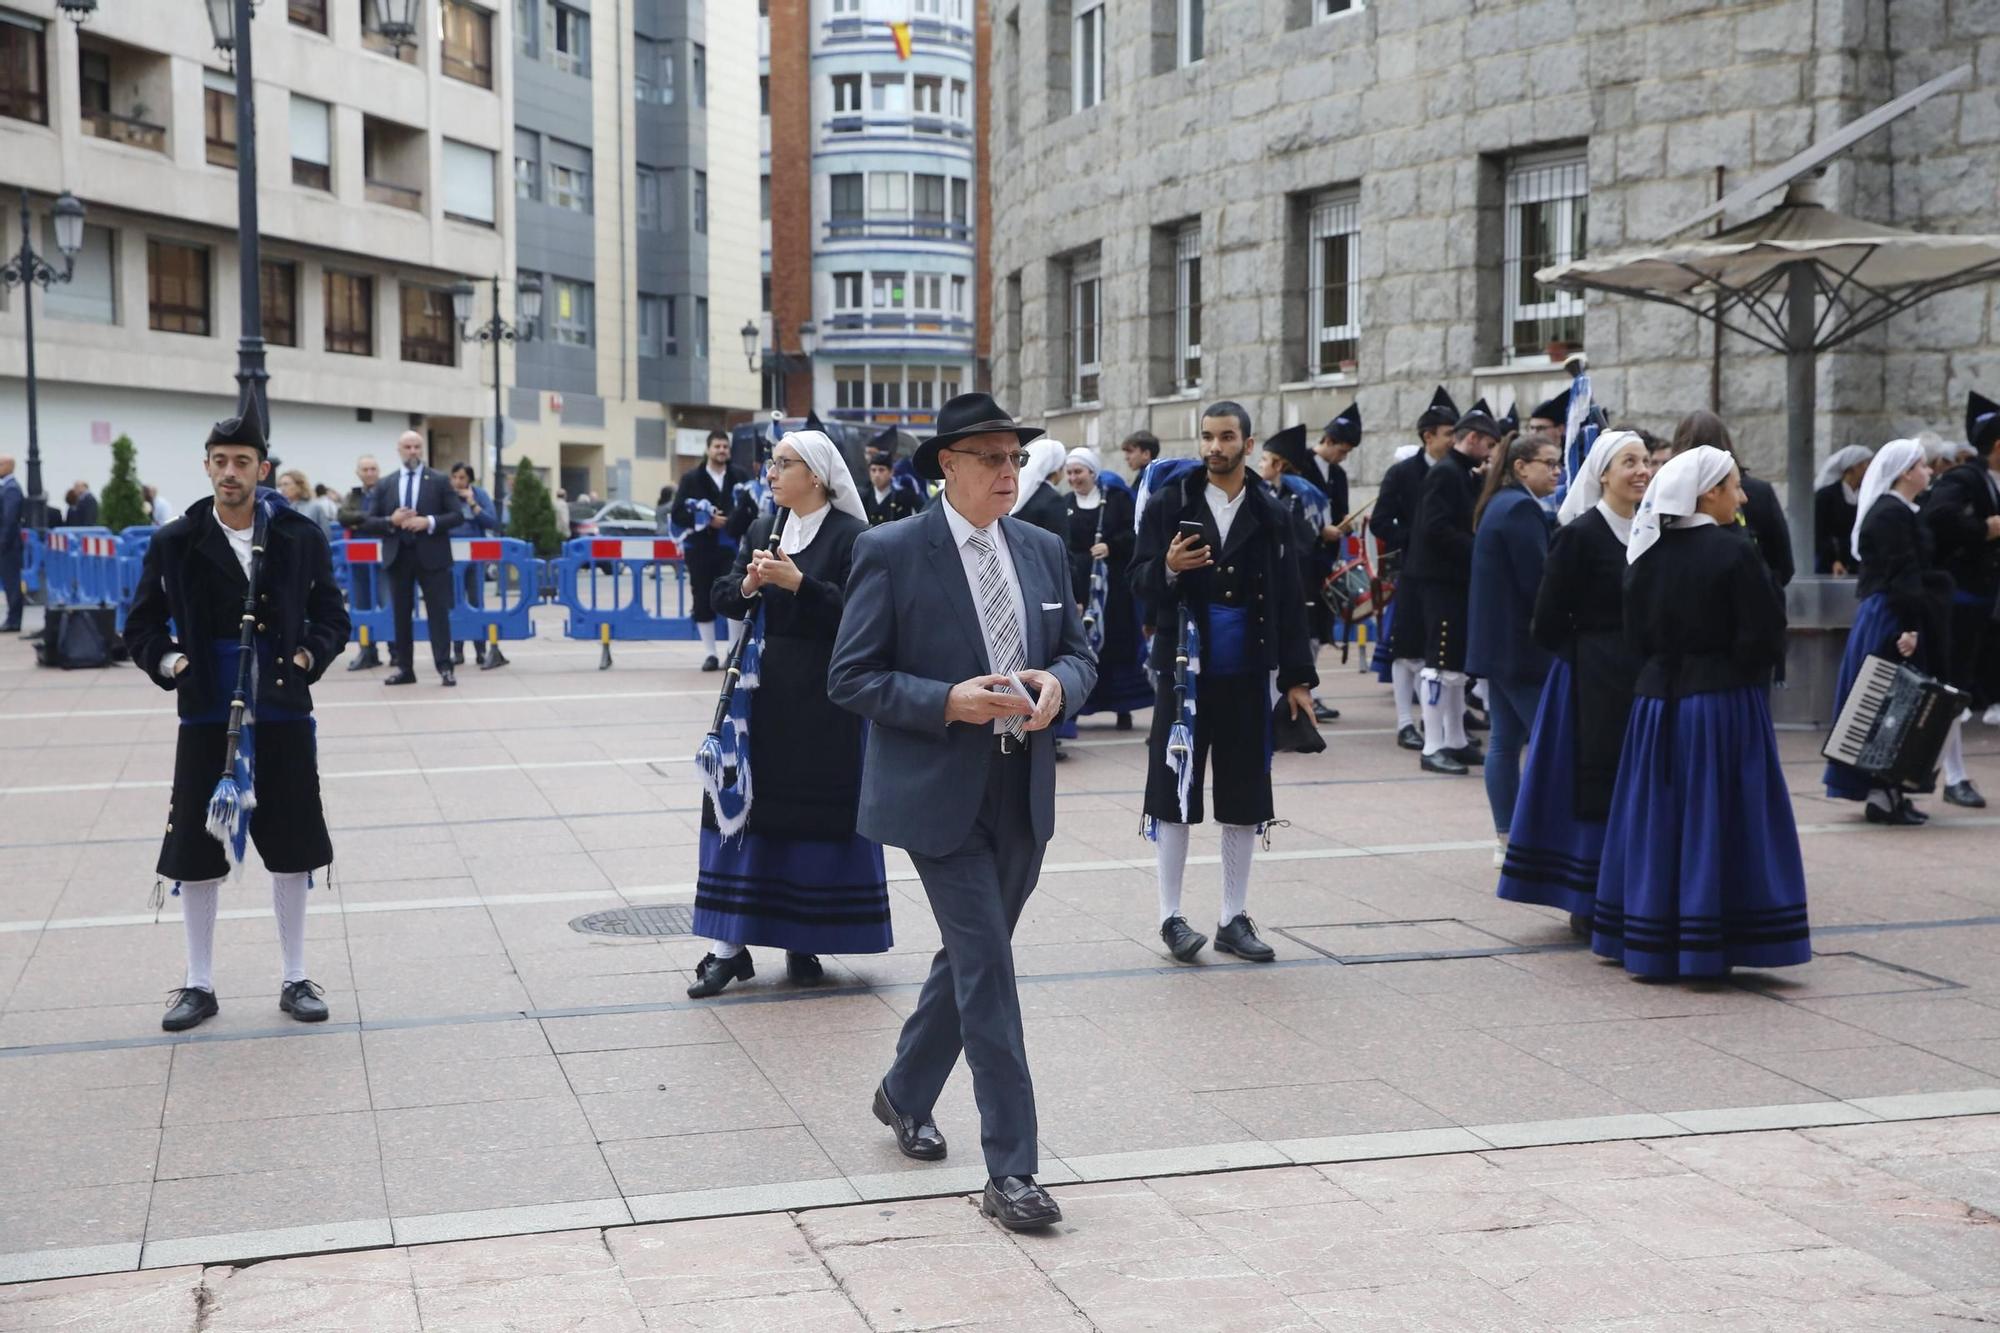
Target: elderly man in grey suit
x=960 y=642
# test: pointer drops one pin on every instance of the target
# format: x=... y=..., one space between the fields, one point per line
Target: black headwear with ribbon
x=1982 y=423
x=1442 y=412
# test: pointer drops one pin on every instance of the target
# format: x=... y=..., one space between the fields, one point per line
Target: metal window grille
x=1086 y=314
x=1187 y=307
x=1333 y=304
x=1547 y=210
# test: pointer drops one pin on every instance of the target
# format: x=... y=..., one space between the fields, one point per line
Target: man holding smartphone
x=1216 y=551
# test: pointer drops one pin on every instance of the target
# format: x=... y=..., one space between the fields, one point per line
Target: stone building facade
x=1298 y=202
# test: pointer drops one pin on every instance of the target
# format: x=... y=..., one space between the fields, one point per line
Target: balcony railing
x=126 y=130
x=395 y=196
x=847 y=30
x=870 y=229
x=854 y=125
x=896 y=321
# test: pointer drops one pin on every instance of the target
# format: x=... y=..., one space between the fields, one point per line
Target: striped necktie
x=996 y=614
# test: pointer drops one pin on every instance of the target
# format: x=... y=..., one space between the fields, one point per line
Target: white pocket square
x=1051 y=606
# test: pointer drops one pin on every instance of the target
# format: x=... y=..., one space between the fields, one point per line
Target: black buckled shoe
x=304 y=1001
x=919 y=1139
x=1182 y=940
x=1409 y=737
x=711 y=974
x=1240 y=938
x=1443 y=761
x=191 y=1005
x=1019 y=1204
x=1965 y=794
x=400 y=677
x=1901 y=815
x=804 y=969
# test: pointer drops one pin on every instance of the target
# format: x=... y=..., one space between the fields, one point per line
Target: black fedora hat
x=967 y=415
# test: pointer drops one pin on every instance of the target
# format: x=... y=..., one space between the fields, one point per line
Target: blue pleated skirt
x=1701 y=868
x=804 y=895
x=1875 y=626
x=1382 y=660
x=1552 y=856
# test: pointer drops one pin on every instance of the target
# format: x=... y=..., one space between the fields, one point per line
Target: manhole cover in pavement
x=658 y=919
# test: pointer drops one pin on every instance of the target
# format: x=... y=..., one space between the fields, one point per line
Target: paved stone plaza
x=1434 y=1111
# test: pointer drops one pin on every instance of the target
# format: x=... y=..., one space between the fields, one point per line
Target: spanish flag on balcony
x=901 y=32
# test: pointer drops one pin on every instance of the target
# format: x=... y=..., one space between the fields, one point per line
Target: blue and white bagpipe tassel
x=704 y=513
x=1576 y=445
x=724 y=757
x=750 y=657
x=1093 y=611
x=235 y=795
x=1180 y=737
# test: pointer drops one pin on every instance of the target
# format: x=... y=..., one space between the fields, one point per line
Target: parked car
x=620 y=518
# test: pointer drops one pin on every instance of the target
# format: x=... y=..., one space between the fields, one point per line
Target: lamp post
x=24 y=270
x=229 y=23
x=780 y=361
x=528 y=303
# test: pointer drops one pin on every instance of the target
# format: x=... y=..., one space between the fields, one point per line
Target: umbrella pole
x=1801 y=405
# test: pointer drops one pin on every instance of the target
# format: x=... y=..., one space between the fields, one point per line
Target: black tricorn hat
x=1346 y=428
x=1290 y=445
x=1479 y=417
x=1441 y=412
x=967 y=415
x=1511 y=423
x=1982 y=423
x=814 y=423
x=884 y=444
x=1556 y=410
x=244 y=430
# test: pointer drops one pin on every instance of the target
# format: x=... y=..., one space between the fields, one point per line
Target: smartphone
x=1192 y=528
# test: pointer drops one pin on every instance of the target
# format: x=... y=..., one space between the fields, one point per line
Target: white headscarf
x=824 y=460
x=1044 y=456
x=1672 y=494
x=1588 y=488
x=1884 y=470
x=1085 y=455
x=1839 y=461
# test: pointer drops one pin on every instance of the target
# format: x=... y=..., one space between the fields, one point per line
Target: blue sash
x=223 y=657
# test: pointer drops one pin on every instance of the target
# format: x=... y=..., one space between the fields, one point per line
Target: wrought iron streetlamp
x=397 y=21
x=78 y=12
x=25 y=270
x=528 y=308
x=229 y=24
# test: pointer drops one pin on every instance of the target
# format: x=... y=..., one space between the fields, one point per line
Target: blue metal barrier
x=132 y=544
x=618 y=588
x=34 y=549
x=498 y=610
x=80 y=569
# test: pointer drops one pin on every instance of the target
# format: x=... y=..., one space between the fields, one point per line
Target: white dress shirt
x=1225 y=509
x=961 y=533
x=409 y=486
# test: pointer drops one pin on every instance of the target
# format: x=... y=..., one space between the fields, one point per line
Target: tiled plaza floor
x=491 y=1070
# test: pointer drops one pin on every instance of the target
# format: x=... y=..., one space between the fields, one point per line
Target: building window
x=278 y=299
x=312 y=144
x=1087 y=57
x=24 y=73
x=569 y=176
x=307 y=14
x=647 y=205
x=927 y=205
x=847 y=291
x=764 y=197
x=527 y=28
x=763 y=94
x=922 y=396
x=652 y=325
x=218 y=117
x=846 y=207
x=701 y=202
x=847 y=94
x=958 y=296
x=1187 y=307
x=701 y=326
x=429 y=332
x=468 y=183
x=959 y=103
x=885 y=388
x=1086 y=319
x=1191 y=40
x=1327 y=9
x=176 y=287
x=574 y=322
x=889 y=194
x=91 y=294
x=927 y=292
x=961 y=192
x=527 y=165
x=467 y=50
x=948 y=382
x=927 y=95
x=885 y=291
x=698 y=72
x=1333 y=264
x=372 y=38
x=566 y=38
x=850 y=388
x=1547 y=207
x=350 y=313
x=888 y=94
x=764 y=299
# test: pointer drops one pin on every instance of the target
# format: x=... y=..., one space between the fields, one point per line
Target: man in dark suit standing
x=413 y=513
x=13 y=512
x=82 y=511
x=945 y=614
x=702 y=504
x=354 y=512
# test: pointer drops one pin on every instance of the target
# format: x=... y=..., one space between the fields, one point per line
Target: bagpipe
x=235 y=794
x=1180 y=736
x=723 y=757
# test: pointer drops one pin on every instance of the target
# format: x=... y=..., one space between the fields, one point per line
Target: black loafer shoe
x=1443 y=762
x=446 y=679
x=400 y=677
x=804 y=969
x=1471 y=754
x=710 y=664
x=1904 y=815
x=302 y=1000
x=1325 y=712
x=917 y=1138
x=191 y=1006
x=1240 y=938
x=1965 y=794
x=711 y=974
x=1409 y=737
x=1477 y=721
x=1019 y=1204
x=1182 y=940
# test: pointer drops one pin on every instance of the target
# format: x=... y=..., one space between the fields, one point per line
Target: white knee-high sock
x=1954 y=754
x=1479 y=692
x=706 y=629
x=1451 y=708
x=724 y=949
x=1431 y=699
x=1403 y=684
x=288 y=904
x=735 y=631
x=1170 y=853
x=1238 y=842
x=198 y=903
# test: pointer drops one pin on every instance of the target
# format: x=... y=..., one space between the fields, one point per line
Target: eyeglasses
x=780 y=464
x=991 y=460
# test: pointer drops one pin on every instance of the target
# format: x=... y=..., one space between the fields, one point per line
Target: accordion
x=1893 y=725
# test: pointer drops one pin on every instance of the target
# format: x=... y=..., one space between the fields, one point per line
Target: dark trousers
x=405 y=577
x=969 y=1001
x=10 y=574
x=1975 y=651
x=705 y=564
x=287 y=825
x=1232 y=729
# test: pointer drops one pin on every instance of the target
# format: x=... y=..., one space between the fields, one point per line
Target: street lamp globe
x=78 y=12
x=808 y=338
x=222 y=23
x=69 y=224
x=750 y=340
x=528 y=300
x=397 y=20
x=462 y=293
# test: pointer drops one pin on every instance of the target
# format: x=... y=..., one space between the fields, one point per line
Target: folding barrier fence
x=622 y=588
x=484 y=609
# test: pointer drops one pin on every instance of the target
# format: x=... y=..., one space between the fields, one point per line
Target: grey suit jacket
x=909 y=632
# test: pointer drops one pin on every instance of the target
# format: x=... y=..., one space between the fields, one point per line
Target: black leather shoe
x=1325 y=712
x=365 y=660
x=711 y=974
x=1442 y=761
x=1240 y=938
x=191 y=1006
x=710 y=664
x=1904 y=815
x=1061 y=754
x=302 y=1000
x=1019 y=1204
x=494 y=658
x=1182 y=940
x=1478 y=721
x=1409 y=737
x=400 y=677
x=1471 y=754
x=917 y=1138
x=445 y=678
x=804 y=969
x=1965 y=794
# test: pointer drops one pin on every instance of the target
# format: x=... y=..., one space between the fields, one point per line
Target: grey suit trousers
x=969 y=1001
